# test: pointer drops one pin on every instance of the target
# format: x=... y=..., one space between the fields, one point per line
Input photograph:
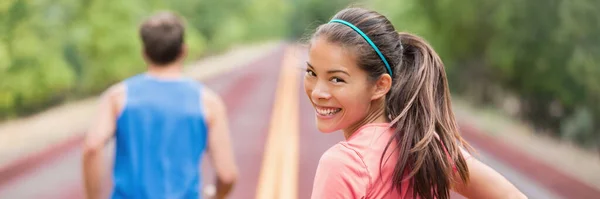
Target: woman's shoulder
x=341 y=154
x=368 y=131
x=341 y=174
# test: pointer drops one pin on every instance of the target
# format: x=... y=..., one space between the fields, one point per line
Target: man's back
x=161 y=135
x=161 y=121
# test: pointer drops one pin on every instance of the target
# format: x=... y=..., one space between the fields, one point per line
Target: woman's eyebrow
x=329 y=71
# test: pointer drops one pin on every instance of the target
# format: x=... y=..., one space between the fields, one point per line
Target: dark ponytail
x=426 y=132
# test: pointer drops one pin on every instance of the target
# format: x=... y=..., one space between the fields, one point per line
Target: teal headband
x=387 y=66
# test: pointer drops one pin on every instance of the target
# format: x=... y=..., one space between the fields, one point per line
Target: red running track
x=249 y=94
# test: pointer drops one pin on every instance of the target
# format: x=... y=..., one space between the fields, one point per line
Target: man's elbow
x=229 y=178
x=91 y=149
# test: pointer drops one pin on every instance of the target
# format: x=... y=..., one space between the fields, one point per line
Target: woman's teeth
x=328 y=111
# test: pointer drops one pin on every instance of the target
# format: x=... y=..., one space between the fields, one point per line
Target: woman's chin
x=326 y=128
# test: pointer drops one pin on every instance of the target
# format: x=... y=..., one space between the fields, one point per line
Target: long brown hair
x=425 y=130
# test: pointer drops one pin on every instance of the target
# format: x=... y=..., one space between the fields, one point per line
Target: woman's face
x=338 y=89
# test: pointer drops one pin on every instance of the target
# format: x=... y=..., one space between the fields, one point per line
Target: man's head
x=163 y=38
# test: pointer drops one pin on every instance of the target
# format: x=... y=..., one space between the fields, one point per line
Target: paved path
x=250 y=93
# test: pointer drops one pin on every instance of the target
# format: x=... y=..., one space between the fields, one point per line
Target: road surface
x=249 y=93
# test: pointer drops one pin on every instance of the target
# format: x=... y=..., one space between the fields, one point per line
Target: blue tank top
x=160 y=138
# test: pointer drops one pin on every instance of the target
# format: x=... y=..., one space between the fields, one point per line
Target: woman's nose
x=320 y=92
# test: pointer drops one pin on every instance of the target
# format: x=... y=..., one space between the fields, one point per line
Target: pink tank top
x=352 y=168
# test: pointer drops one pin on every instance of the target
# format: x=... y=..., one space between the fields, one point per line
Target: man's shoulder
x=115 y=90
x=114 y=97
x=213 y=105
x=211 y=98
x=120 y=88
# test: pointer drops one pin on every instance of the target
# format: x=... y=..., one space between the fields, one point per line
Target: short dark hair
x=162 y=37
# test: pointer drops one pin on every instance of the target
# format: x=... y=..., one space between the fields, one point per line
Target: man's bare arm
x=220 y=148
x=100 y=133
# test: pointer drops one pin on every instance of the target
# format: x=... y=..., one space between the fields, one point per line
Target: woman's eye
x=337 y=80
x=310 y=73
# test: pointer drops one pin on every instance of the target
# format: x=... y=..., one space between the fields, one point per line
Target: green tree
x=545 y=51
x=55 y=50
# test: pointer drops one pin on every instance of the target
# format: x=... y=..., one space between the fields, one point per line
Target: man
x=162 y=123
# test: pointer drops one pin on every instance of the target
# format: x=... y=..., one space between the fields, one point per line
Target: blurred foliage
x=546 y=52
x=309 y=14
x=55 y=50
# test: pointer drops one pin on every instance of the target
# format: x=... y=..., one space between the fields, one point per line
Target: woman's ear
x=382 y=86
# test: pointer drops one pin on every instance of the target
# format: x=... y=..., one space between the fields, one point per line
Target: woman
x=387 y=91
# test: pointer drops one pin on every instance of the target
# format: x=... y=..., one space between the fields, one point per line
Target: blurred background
x=524 y=72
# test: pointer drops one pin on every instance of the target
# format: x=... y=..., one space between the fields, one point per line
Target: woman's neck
x=375 y=115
